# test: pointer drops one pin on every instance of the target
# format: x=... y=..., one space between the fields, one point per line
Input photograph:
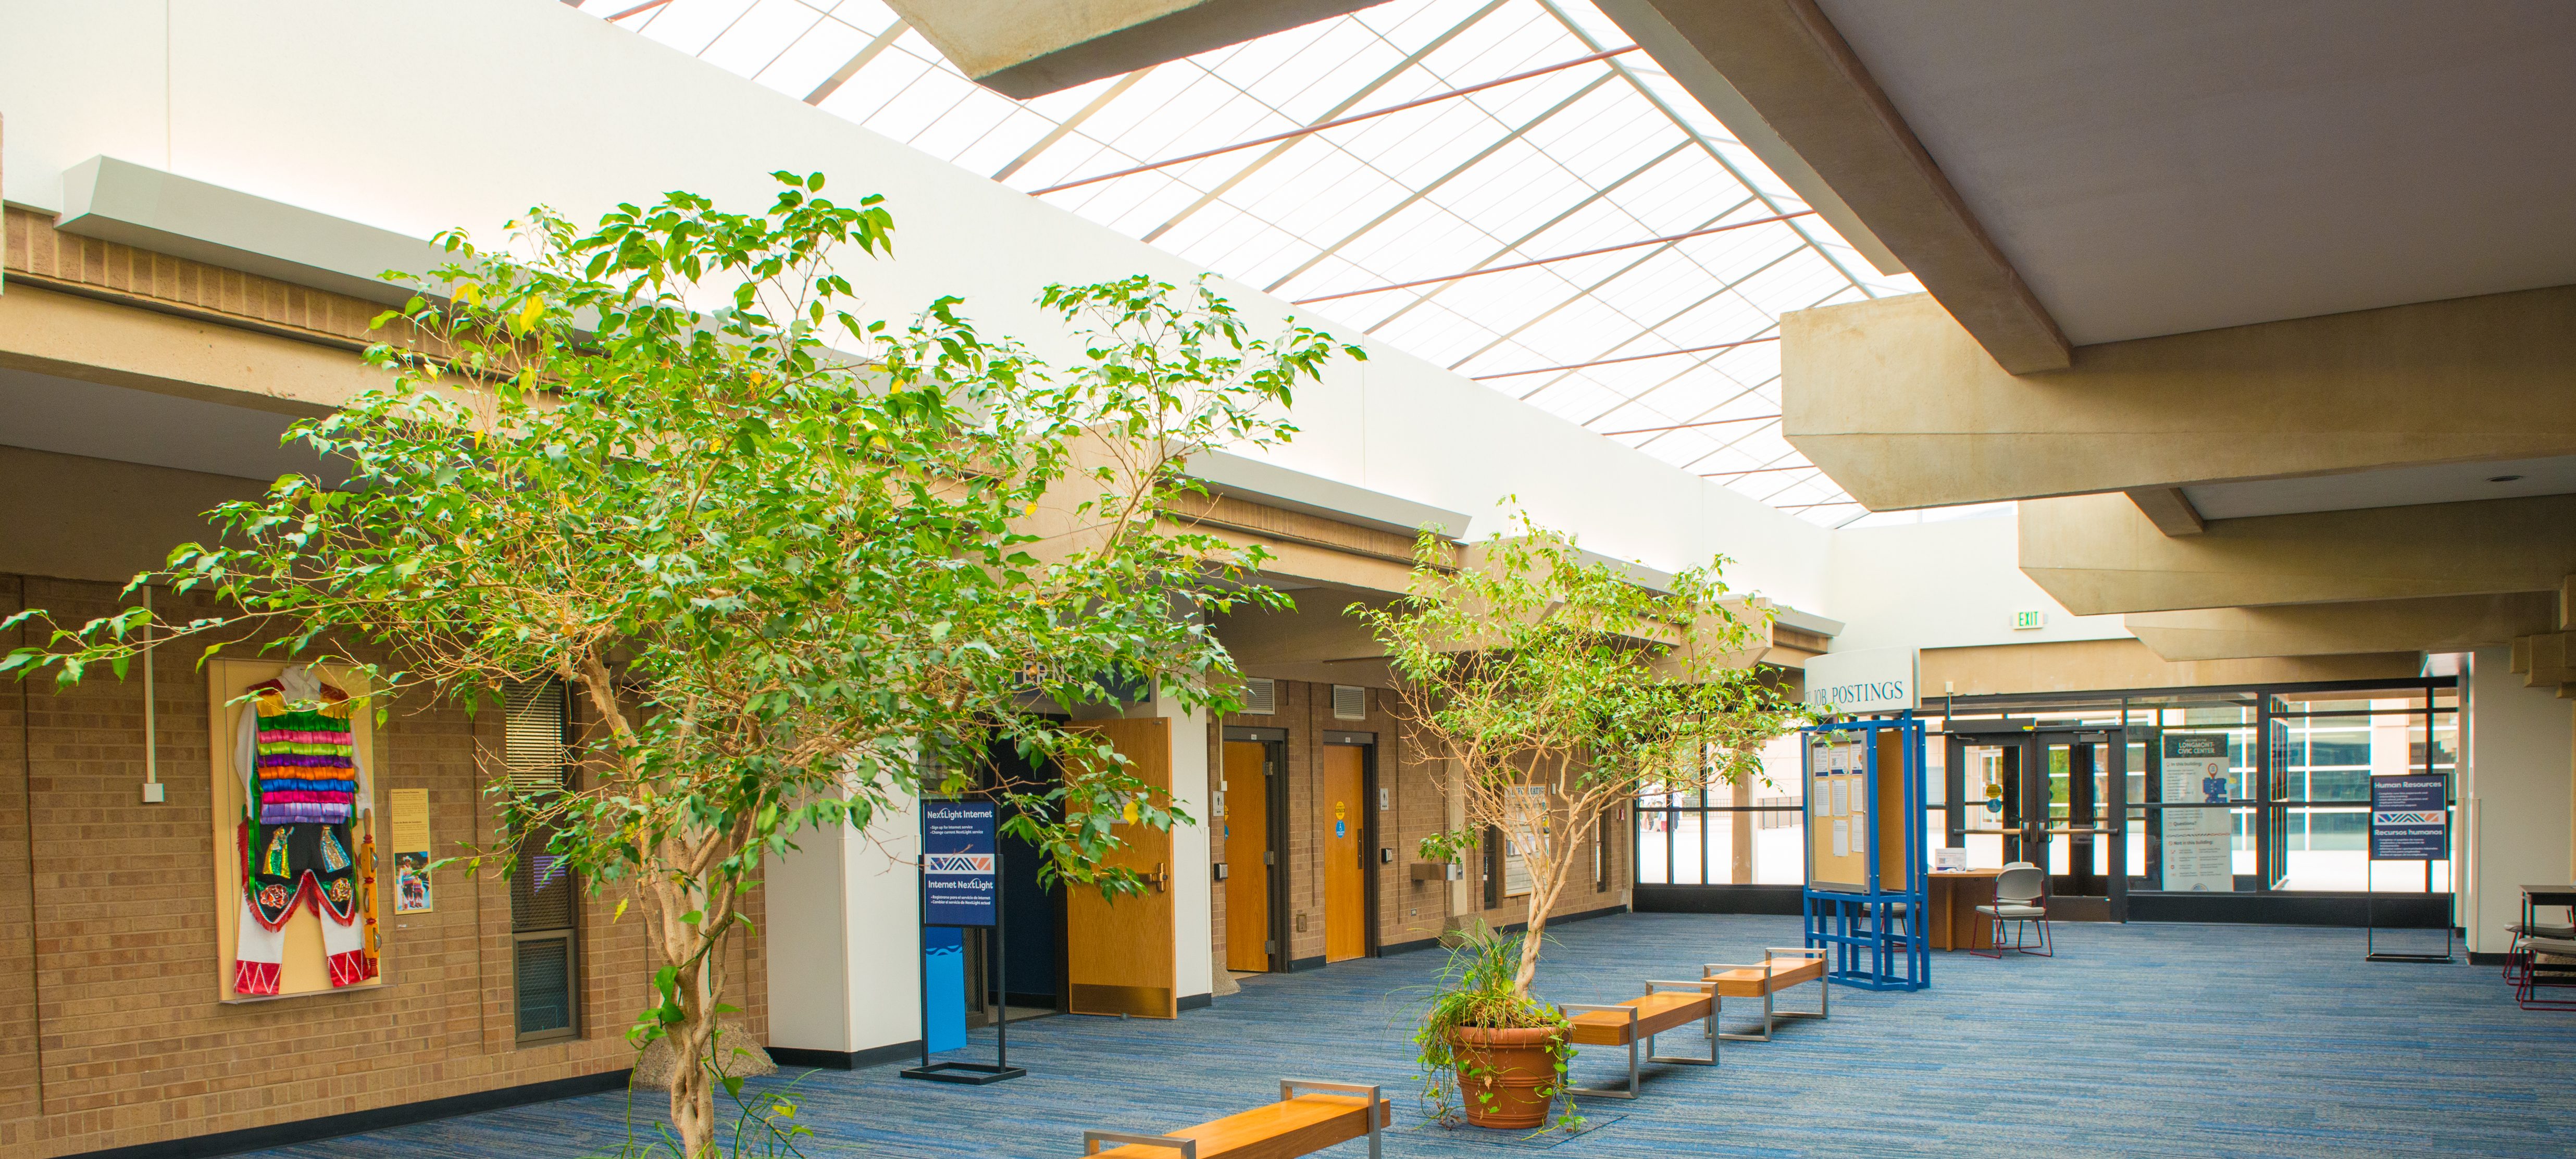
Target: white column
x=1194 y=933
x=2518 y=752
x=843 y=940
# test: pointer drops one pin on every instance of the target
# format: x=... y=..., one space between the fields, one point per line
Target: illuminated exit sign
x=2029 y=618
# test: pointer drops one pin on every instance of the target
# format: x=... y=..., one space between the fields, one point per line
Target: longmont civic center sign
x=1872 y=680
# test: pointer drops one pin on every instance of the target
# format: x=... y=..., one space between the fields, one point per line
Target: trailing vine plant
x=1475 y=990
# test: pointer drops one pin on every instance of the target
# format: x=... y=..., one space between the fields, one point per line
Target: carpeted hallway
x=2166 y=1040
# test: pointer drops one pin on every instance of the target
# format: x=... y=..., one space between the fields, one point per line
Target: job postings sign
x=1858 y=683
x=957 y=876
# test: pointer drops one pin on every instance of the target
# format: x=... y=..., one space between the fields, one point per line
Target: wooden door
x=1345 y=881
x=1247 y=841
x=1118 y=955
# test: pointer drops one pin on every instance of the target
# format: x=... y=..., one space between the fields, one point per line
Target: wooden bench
x=1298 y=1124
x=1779 y=969
x=1640 y=1020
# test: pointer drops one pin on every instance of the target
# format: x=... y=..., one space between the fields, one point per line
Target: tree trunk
x=1546 y=882
x=693 y=1097
x=693 y=947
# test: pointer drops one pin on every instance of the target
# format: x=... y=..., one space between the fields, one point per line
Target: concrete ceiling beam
x=1029 y=48
x=2099 y=555
x=1779 y=75
x=2169 y=509
x=2439 y=624
x=1900 y=405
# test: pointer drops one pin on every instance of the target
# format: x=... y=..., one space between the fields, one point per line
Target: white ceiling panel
x=2191 y=164
x=1590 y=156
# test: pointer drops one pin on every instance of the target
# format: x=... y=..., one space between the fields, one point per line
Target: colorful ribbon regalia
x=305 y=792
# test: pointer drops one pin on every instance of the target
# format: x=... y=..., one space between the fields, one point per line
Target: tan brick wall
x=108 y=933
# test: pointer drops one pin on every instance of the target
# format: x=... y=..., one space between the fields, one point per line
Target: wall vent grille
x=1350 y=703
x=1260 y=697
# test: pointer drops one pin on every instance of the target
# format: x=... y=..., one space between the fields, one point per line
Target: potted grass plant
x=1488 y=1050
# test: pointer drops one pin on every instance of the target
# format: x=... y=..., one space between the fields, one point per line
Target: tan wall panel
x=73 y=517
x=212 y=361
x=2096 y=554
x=1903 y=408
x=2440 y=624
x=2104 y=665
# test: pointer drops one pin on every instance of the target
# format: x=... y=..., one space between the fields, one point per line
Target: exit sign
x=2029 y=619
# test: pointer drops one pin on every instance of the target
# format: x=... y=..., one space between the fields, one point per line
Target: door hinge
x=1270 y=947
x=1269 y=858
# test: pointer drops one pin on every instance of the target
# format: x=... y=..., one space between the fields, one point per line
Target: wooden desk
x=1953 y=899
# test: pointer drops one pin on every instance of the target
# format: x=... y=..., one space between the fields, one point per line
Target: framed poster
x=1532 y=802
x=293 y=825
x=2196 y=845
x=411 y=847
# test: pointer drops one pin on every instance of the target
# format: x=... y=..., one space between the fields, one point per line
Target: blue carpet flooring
x=2155 y=1040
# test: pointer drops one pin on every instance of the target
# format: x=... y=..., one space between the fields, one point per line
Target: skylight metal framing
x=1506 y=131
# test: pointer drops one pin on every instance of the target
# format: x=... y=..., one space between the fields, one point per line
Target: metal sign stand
x=969 y=1073
x=2370 y=892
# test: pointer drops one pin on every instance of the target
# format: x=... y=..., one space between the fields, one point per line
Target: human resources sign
x=1873 y=680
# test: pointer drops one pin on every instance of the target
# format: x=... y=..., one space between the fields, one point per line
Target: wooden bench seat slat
x=1657 y=1013
x=1756 y=981
x=1299 y=1126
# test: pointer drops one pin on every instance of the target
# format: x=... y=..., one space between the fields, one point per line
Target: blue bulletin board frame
x=1855 y=925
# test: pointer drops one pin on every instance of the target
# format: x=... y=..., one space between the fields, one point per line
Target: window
x=544 y=911
x=1748 y=834
x=2335 y=746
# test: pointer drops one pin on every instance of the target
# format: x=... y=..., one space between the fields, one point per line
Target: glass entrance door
x=2086 y=834
x=2055 y=798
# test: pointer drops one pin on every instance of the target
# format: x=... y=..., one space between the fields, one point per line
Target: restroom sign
x=958 y=878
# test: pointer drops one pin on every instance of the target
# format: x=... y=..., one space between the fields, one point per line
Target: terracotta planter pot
x=1513 y=1066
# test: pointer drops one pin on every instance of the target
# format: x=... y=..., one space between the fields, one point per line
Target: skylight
x=1494 y=232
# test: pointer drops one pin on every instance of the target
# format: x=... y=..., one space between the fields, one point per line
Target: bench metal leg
x=1708 y=1027
x=1288 y=1089
x=1771 y=1013
x=1630 y=1091
x=1189 y=1148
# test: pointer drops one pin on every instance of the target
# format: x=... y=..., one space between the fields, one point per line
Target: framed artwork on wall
x=294 y=830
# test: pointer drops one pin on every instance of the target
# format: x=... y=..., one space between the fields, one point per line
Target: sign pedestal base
x=2410 y=820
x=969 y=1073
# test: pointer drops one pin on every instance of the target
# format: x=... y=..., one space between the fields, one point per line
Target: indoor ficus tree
x=1560 y=687
x=786 y=556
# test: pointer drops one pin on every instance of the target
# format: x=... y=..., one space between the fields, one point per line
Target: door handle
x=1162 y=877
